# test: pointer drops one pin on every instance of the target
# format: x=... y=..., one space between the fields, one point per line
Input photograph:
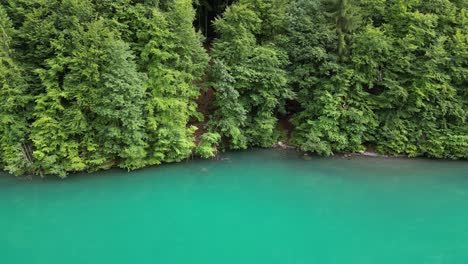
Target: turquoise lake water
x=260 y=206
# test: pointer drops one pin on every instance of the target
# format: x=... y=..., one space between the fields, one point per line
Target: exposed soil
x=284 y=124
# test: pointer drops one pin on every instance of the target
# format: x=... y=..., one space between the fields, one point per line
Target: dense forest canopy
x=93 y=84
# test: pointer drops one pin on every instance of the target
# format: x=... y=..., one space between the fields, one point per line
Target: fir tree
x=15 y=148
x=173 y=58
x=253 y=78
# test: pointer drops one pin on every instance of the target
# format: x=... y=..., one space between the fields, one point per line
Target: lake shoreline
x=280 y=146
x=369 y=152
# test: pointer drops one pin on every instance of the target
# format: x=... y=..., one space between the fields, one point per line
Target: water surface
x=261 y=206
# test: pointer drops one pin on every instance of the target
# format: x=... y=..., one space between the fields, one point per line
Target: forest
x=87 y=85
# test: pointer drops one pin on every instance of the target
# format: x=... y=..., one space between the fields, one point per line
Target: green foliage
x=394 y=78
x=207 y=147
x=97 y=84
x=248 y=75
x=422 y=111
x=15 y=154
x=382 y=73
x=91 y=115
x=230 y=114
x=336 y=113
x=345 y=18
x=88 y=85
x=172 y=57
x=116 y=106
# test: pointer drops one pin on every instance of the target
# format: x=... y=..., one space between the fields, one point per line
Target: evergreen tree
x=170 y=52
x=90 y=116
x=336 y=114
x=345 y=17
x=423 y=111
x=15 y=149
x=230 y=114
x=114 y=95
x=385 y=81
x=207 y=146
x=252 y=77
x=89 y=85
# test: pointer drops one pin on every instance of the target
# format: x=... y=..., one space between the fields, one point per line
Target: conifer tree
x=345 y=17
x=230 y=114
x=114 y=95
x=422 y=110
x=254 y=68
x=88 y=85
x=90 y=116
x=171 y=54
x=15 y=149
x=336 y=115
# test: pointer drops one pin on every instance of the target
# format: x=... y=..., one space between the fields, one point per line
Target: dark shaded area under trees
x=207 y=12
x=89 y=85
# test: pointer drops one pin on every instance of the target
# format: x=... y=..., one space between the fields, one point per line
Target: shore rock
x=282 y=145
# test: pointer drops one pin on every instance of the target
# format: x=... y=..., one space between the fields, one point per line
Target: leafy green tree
x=230 y=114
x=89 y=85
x=171 y=54
x=91 y=115
x=345 y=17
x=250 y=75
x=15 y=150
x=336 y=113
x=207 y=147
x=103 y=71
x=389 y=80
x=422 y=111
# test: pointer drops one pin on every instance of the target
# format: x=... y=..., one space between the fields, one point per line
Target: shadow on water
x=394 y=164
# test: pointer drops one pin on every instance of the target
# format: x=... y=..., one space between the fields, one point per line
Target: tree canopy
x=88 y=85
